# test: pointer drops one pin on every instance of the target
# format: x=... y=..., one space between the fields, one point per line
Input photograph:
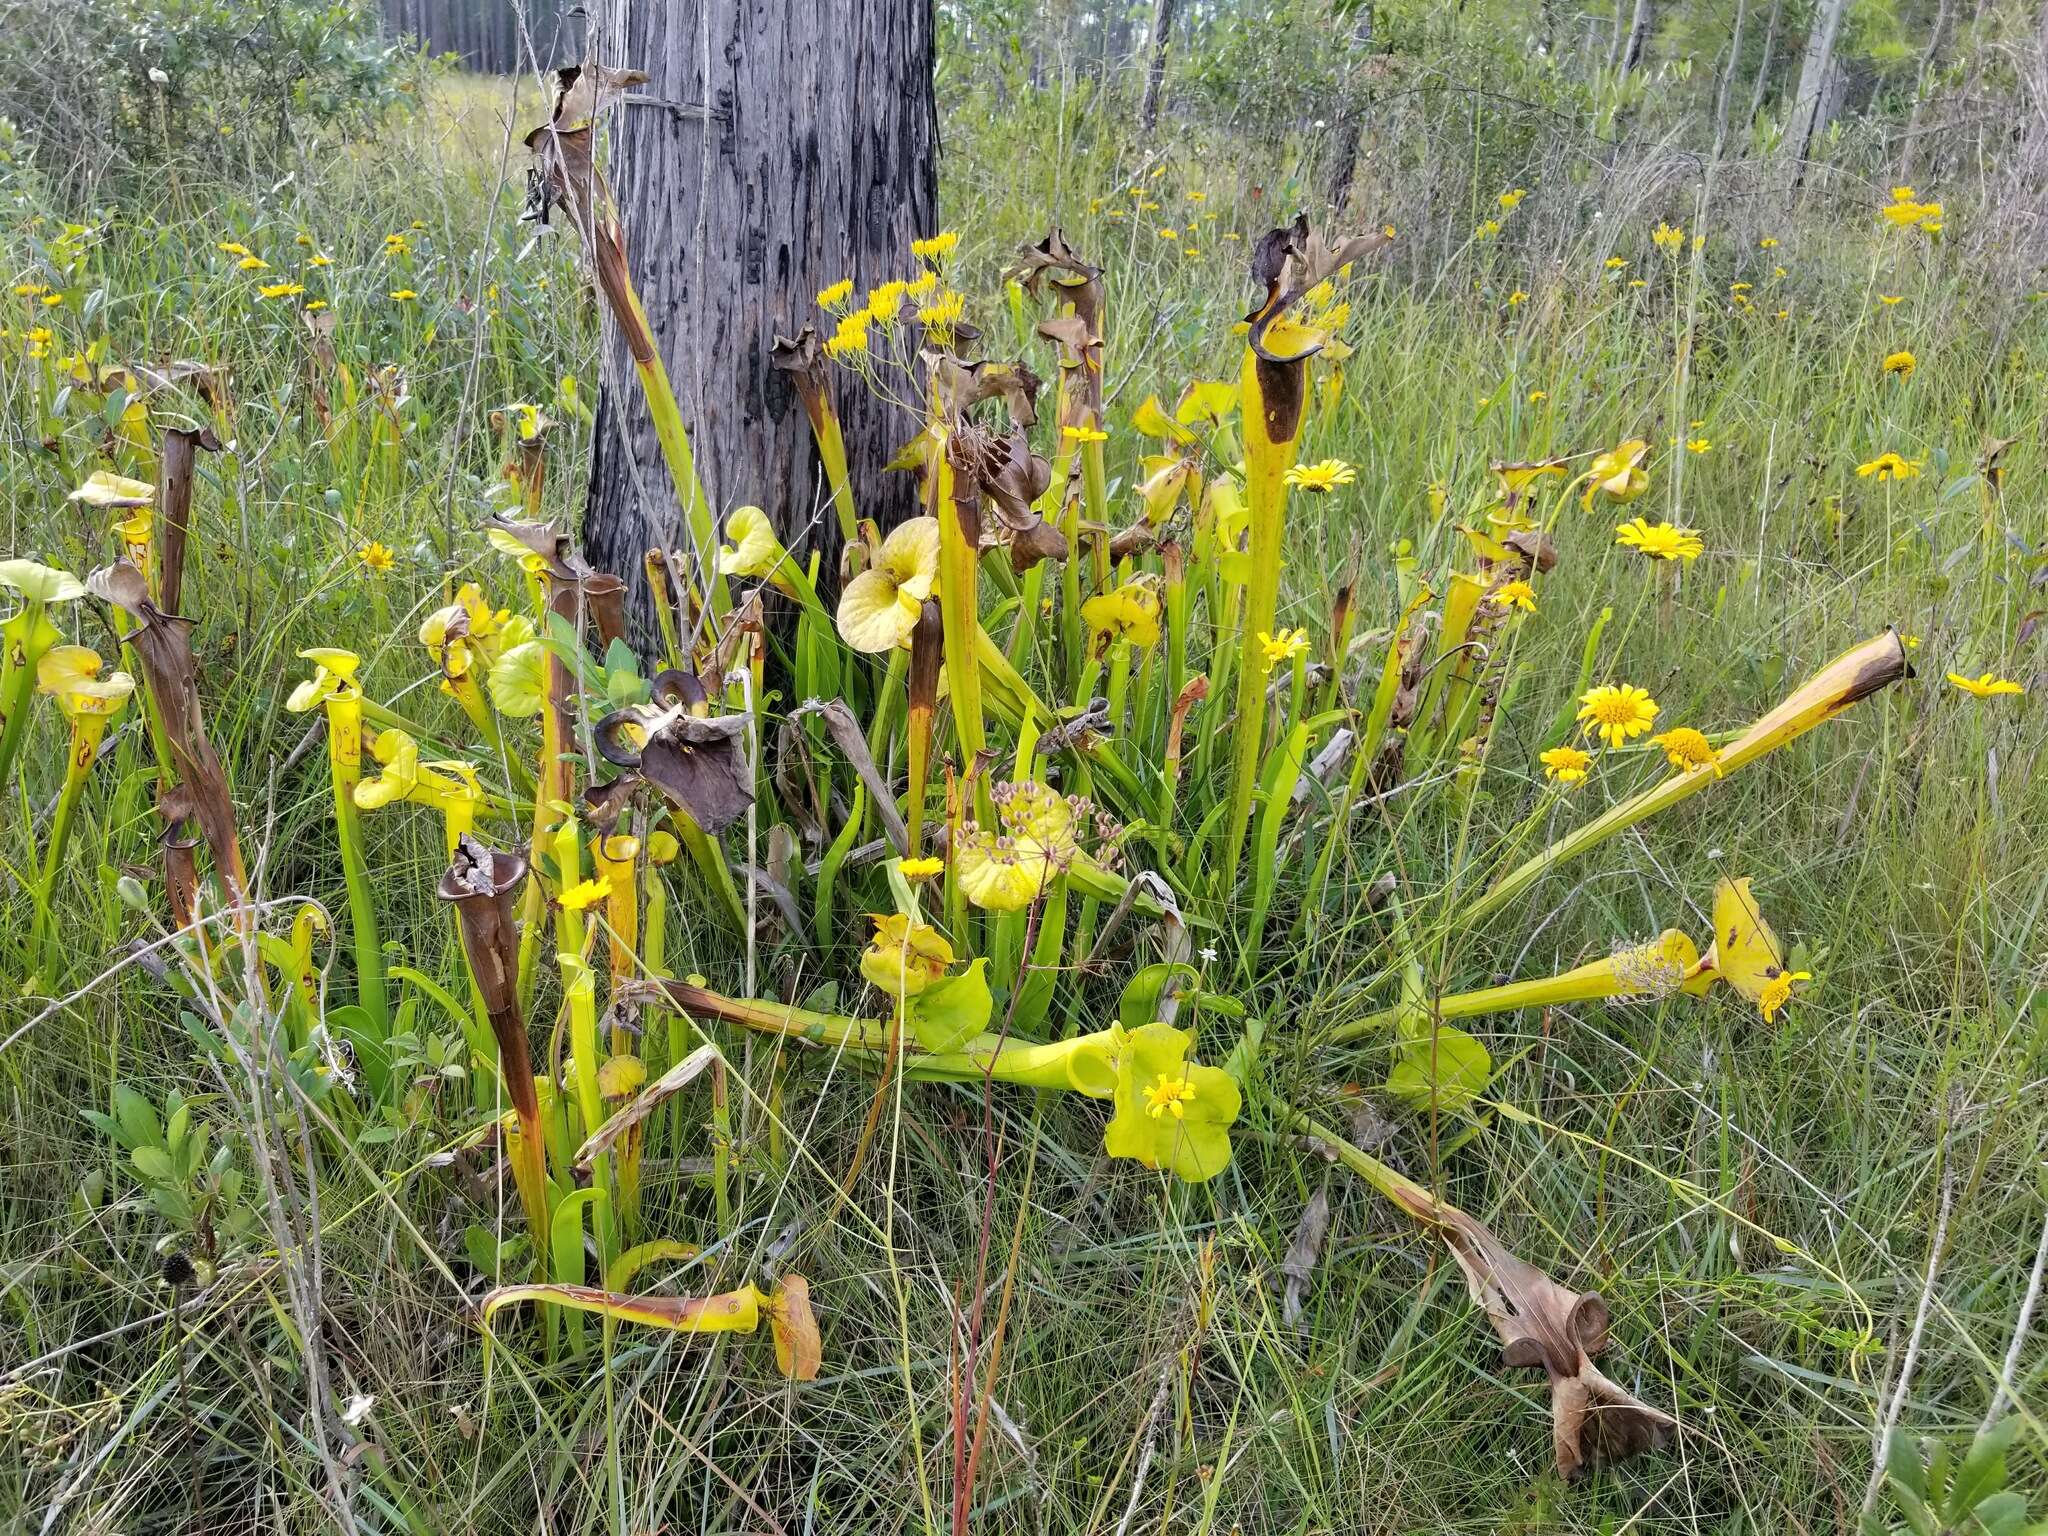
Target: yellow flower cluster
x=1906 y=211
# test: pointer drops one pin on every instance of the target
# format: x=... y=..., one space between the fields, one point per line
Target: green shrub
x=112 y=90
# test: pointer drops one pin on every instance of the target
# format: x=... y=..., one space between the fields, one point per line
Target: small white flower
x=1209 y=954
x=358 y=1409
x=158 y=77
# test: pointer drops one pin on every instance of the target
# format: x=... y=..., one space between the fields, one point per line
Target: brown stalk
x=483 y=884
x=174 y=508
x=163 y=645
x=927 y=658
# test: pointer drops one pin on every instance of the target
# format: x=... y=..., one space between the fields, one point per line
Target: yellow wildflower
x=944 y=313
x=253 y=264
x=1659 y=541
x=1668 y=237
x=281 y=290
x=1169 y=1095
x=376 y=557
x=1890 y=466
x=1989 y=686
x=1687 y=749
x=921 y=869
x=1283 y=647
x=404 y=295
x=585 y=894
x=836 y=295
x=1508 y=200
x=938 y=247
x=1321 y=478
x=885 y=300
x=1514 y=594
x=1777 y=992
x=1901 y=362
x=1617 y=711
x=1699 y=445
x=1566 y=765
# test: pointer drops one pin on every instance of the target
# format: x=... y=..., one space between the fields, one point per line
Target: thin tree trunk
x=1930 y=62
x=1638 y=38
x=1350 y=125
x=1763 y=64
x=778 y=147
x=1728 y=79
x=1808 y=118
x=1163 y=13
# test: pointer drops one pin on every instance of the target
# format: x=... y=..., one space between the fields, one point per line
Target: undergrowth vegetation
x=1392 y=770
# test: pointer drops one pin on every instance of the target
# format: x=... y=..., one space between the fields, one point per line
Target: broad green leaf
x=952 y=1012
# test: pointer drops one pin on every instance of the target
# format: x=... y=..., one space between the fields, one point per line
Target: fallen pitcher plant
x=1594 y=1420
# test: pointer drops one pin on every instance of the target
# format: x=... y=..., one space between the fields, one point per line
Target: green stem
x=345 y=770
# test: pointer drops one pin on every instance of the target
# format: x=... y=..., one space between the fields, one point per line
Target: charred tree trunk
x=1163 y=15
x=1930 y=65
x=778 y=146
x=1638 y=35
x=1810 y=112
x=1350 y=127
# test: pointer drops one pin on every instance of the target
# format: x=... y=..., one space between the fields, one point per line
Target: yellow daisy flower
x=1321 y=478
x=1617 y=711
x=1659 y=541
x=1514 y=594
x=1566 y=765
x=1890 y=466
x=1989 y=686
x=585 y=894
x=1283 y=647
x=1687 y=749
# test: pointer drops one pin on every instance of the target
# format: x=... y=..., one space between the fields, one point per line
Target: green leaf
x=2003 y=1514
x=153 y=1163
x=1443 y=1069
x=139 y=1124
x=1983 y=1470
x=1139 y=1004
x=952 y=1012
x=518 y=680
x=480 y=1244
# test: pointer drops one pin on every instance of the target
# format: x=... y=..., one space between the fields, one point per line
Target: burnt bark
x=777 y=147
x=1164 y=13
x=1350 y=126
